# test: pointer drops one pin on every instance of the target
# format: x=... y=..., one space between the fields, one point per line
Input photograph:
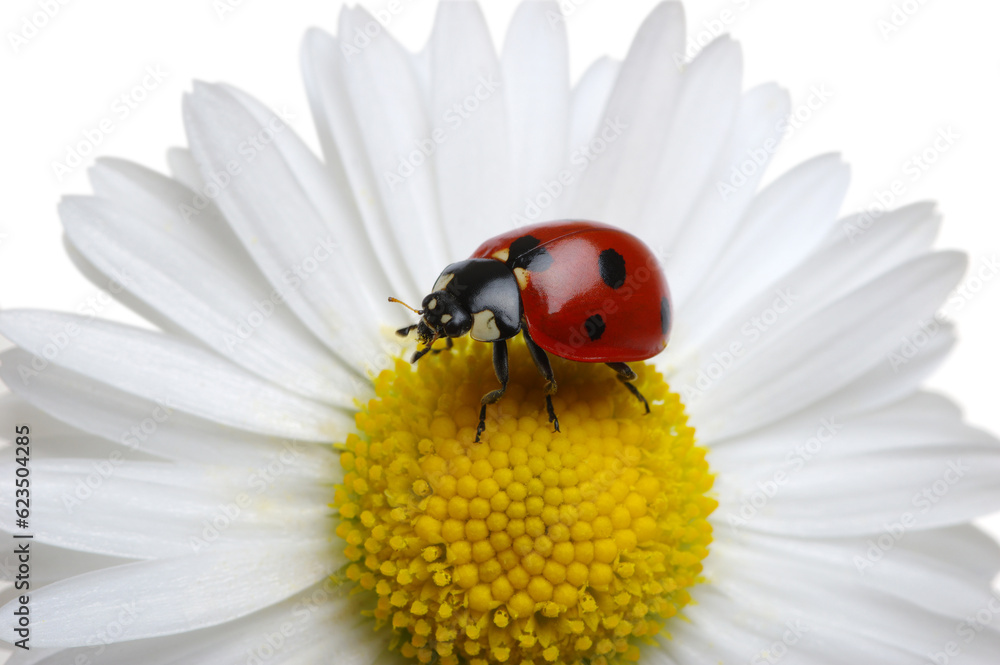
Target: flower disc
x=531 y=546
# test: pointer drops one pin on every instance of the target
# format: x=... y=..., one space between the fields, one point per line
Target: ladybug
x=584 y=291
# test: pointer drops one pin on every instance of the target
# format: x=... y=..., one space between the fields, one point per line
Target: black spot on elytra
x=612 y=267
x=665 y=314
x=522 y=245
x=594 y=327
x=526 y=253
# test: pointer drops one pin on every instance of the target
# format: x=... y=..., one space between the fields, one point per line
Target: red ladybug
x=584 y=291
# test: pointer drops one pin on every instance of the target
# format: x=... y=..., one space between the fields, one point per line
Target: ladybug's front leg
x=627 y=375
x=542 y=363
x=501 y=368
x=448 y=343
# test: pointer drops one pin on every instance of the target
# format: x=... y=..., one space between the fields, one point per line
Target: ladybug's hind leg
x=545 y=369
x=501 y=368
x=626 y=375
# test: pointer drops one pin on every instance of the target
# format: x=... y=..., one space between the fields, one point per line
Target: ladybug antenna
x=415 y=311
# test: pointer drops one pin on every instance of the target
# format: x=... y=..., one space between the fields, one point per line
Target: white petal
x=163 y=204
x=783 y=225
x=474 y=164
x=169 y=371
x=590 y=96
x=393 y=124
x=219 y=586
x=244 y=320
x=886 y=383
x=827 y=351
x=728 y=623
x=700 y=240
x=35 y=655
x=920 y=419
x=307 y=257
x=348 y=159
x=535 y=63
x=825 y=610
x=147 y=510
x=834 y=270
x=701 y=125
x=184 y=169
x=50 y=563
x=919 y=487
x=642 y=103
x=964 y=547
x=135 y=423
x=906 y=571
x=316 y=622
x=15 y=410
x=335 y=203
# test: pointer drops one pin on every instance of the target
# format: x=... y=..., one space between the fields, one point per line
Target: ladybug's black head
x=443 y=314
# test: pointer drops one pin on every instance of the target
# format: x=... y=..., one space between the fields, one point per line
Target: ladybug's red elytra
x=584 y=291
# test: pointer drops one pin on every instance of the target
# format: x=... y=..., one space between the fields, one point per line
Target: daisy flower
x=265 y=479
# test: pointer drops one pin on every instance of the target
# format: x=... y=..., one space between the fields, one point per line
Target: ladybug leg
x=545 y=369
x=627 y=376
x=404 y=332
x=448 y=343
x=417 y=355
x=503 y=374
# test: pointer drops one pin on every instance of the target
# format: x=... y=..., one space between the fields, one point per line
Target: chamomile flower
x=265 y=479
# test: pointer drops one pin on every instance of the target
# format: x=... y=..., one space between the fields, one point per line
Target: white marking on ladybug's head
x=501 y=255
x=446 y=318
x=484 y=327
x=432 y=305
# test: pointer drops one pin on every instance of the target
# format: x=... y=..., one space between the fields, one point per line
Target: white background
x=893 y=88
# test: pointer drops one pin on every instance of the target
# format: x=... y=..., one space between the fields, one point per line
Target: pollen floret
x=529 y=547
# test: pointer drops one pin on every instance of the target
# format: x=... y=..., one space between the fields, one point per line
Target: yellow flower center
x=531 y=546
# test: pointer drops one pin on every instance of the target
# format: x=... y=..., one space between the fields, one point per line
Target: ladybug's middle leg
x=626 y=375
x=501 y=368
x=542 y=363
